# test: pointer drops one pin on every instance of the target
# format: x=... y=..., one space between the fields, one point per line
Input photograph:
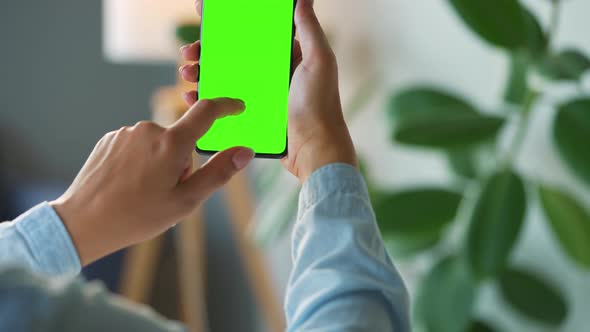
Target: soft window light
x=144 y=30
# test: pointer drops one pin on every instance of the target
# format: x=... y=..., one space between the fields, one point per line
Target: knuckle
x=206 y=104
x=109 y=135
x=104 y=138
x=102 y=141
x=122 y=131
x=146 y=127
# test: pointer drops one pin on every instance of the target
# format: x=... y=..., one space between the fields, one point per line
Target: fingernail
x=182 y=49
x=242 y=158
x=182 y=68
x=242 y=104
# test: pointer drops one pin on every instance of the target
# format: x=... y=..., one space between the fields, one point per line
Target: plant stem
x=554 y=23
x=523 y=125
x=531 y=96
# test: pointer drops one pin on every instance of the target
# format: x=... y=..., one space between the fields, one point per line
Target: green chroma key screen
x=246 y=49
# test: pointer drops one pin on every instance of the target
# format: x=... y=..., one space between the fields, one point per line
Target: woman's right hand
x=317 y=132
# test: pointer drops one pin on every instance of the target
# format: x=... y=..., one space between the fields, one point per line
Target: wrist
x=78 y=224
x=313 y=159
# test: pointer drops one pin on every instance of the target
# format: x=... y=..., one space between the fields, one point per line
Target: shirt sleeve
x=31 y=303
x=38 y=240
x=343 y=278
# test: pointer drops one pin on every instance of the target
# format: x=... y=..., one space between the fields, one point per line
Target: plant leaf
x=407 y=245
x=410 y=228
x=537 y=40
x=495 y=223
x=533 y=297
x=480 y=326
x=472 y=161
x=570 y=223
x=520 y=61
x=517 y=87
x=188 y=33
x=567 y=65
x=416 y=211
x=431 y=118
x=499 y=22
x=448 y=281
x=571 y=131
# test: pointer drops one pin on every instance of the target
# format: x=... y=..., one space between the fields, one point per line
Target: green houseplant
x=469 y=229
x=485 y=209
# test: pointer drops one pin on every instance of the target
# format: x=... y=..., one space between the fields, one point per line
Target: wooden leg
x=241 y=208
x=191 y=261
x=190 y=239
x=139 y=270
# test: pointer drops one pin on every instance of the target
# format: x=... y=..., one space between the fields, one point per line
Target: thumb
x=311 y=35
x=215 y=173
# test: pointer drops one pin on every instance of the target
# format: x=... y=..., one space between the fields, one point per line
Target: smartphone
x=246 y=53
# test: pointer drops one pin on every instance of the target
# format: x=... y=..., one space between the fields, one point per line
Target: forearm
x=38 y=240
x=341 y=268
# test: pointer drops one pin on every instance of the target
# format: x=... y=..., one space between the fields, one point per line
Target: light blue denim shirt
x=342 y=279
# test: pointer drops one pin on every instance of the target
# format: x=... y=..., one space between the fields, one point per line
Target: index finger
x=201 y=116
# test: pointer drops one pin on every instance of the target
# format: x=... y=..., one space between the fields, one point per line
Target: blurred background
x=74 y=70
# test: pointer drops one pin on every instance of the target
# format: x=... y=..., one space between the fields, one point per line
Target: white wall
x=403 y=42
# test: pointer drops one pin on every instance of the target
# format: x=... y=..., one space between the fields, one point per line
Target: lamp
x=150 y=32
x=144 y=31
